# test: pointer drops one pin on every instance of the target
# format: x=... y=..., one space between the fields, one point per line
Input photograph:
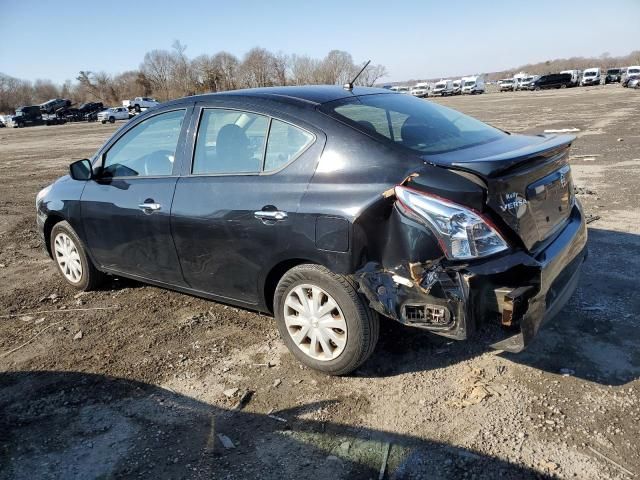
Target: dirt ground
x=135 y=381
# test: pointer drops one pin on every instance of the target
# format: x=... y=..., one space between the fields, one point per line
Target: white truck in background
x=139 y=103
x=473 y=85
x=590 y=76
x=443 y=88
x=457 y=86
x=420 y=90
x=576 y=75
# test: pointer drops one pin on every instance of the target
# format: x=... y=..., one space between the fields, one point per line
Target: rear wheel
x=323 y=320
x=73 y=263
x=112 y=119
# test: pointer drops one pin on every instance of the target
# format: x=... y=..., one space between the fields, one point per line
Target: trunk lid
x=528 y=181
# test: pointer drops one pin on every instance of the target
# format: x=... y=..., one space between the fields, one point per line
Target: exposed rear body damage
x=527 y=193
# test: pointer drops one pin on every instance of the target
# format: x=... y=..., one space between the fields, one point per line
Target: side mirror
x=81 y=170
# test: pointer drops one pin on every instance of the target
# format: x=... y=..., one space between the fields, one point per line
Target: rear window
x=423 y=127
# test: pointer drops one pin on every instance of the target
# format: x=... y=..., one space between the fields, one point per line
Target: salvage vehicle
x=614 y=75
x=139 y=103
x=400 y=89
x=576 y=76
x=54 y=104
x=631 y=73
x=443 y=88
x=507 y=85
x=457 y=87
x=112 y=114
x=329 y=208
x=420 y=90
x=527 y=82
x=473 y=85
x=590 y=76
x=553 y=80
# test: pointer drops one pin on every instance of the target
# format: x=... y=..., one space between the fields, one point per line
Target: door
x=126 y=210
x=235 y=211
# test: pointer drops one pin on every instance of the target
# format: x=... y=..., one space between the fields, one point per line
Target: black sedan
x=328 y=207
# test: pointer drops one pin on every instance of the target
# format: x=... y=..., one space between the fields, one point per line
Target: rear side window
x=421 y=126
x=285 y=143
x=230 y=141
x=148 y=149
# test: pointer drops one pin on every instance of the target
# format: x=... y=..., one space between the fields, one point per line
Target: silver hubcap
x=315 y=322
x=68 y=257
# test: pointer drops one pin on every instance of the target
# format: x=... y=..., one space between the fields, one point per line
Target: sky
x=413 y=39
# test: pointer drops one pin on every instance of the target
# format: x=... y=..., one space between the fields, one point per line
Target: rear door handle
x=149 y=207
x=270 y=214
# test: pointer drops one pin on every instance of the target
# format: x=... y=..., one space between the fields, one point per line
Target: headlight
x=461 y=233
x=42 y=193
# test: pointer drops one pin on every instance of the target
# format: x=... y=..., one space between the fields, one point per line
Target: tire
x=112 y=119
x=137 y=108
x=362 y=324
x=89 y=277
x=103 y=122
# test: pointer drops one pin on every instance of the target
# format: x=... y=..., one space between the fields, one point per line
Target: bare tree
x=336 y=68
x=304 y=70
x=226 y=66
x=158 y=68
x=257 y=68
x=371 y=75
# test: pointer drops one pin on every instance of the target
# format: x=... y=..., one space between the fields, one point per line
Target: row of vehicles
x=570 y=78
x=58 y=111
x=466 y=85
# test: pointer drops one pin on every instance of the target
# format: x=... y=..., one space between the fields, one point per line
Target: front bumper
x=518 y=290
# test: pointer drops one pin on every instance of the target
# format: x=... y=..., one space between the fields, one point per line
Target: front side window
x=148 y=149
x=285 y=143
x=230 y=141
x=423 y=127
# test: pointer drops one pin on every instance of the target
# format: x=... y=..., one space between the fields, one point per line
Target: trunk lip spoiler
x=490 y=166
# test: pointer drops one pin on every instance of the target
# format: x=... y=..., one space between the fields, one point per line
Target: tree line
x=167 y=74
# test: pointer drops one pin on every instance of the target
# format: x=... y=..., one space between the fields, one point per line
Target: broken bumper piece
x=518 y=291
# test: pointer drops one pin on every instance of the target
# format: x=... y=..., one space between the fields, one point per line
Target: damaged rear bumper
x=518 y=291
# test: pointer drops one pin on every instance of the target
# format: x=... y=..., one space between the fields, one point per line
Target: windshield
x=423 y=127
x=614 y=71
x=470 y=83
x=528 y=79
x=633 y=70
x=440 y=85
x=507 y=81
x=589 y=74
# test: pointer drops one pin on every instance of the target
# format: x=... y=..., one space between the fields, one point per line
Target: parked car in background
x=591 y=76
x=400 y=89
x=507 y=85
x=634 y=82
x=140 y=103
x=576 y=76
x=457 y=87
x=614 y=75
x=420 y=90
x=112 y=114
x=473 y=85
x=28 y=115
x=527 y=82
x=263 y=199
x=443 y=88
x=517 y=79
x=553 y=80
x=54 y=104
x=631 y=73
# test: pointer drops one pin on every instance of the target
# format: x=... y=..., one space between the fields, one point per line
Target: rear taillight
x=461 y=233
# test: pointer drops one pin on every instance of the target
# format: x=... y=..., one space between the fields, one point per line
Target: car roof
x=303 y=95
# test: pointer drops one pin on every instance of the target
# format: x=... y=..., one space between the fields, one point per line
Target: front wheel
x=137 y=108
x=72 y=261
x=323 y=320
x=112 y=119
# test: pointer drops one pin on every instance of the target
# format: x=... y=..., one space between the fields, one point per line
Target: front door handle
x=270 y=214
x=149 y=207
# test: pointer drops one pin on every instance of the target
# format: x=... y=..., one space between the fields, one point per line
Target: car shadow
x=595 y=337
x=76 y=425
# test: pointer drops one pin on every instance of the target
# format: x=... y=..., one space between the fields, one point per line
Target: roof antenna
x=349 y=86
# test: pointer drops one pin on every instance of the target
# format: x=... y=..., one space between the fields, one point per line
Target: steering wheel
x=160 y=160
